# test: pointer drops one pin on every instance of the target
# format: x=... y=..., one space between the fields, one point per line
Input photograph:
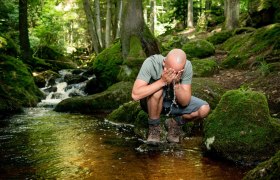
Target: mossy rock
x=170 y=42
x=263 y=12
x=246 y=49
x=105 y=101
x=240 y=129
x=204 y=67
x=126 y=113
x=207 y=90
x=219 y=37
x=45 y=78
x=17 y=85
x=130 y=69
x=198 y=49
x=133 y=62
x=8 y=45
x=269 y=169
x=107 y=65
x=244 y=30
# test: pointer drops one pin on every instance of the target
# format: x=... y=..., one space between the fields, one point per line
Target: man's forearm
x=183 y=94
x=142 y=91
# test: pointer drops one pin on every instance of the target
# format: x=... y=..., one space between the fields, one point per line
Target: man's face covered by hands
x=173 y=66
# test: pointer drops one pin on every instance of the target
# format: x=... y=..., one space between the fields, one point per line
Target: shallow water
x=43 y=144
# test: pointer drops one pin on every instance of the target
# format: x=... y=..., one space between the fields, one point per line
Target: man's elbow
x=135 y=97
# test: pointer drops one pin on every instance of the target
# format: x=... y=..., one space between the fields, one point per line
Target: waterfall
x=62 y=89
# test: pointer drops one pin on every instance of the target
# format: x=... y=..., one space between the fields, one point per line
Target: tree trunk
x=91 y=26
x=120 y=9
x=23 y=32
x=190 y=14
x=232 y=14
x=108 y=25
x=98 y=22
x=133 y=25
x=152 y=16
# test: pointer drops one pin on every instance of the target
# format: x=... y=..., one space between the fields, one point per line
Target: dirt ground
x=253 y=79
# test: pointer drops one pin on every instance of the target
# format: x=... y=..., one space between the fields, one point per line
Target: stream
x=43 y=144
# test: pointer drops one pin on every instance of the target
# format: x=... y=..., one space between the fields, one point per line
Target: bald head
x=176 y=59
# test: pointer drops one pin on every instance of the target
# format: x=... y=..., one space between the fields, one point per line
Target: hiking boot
x=154 y=134
x=174 y=130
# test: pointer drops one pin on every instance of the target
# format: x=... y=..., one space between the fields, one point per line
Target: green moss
x=136 y=49
x=204 y=68
x=108 y=100
x=199 y=49
x=17 y=84
x=130 y=68
x=208 y=90
x=241 y=124
x=126 y=113
x=245 y=49
x=3 y=43
x=269 y=169
x=243 y=30
x=106 y=65
x=219 y=37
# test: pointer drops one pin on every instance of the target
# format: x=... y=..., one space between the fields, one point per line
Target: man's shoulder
x=156 y=58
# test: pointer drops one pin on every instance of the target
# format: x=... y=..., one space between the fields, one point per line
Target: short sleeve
x=188 y=73
x=145 y=72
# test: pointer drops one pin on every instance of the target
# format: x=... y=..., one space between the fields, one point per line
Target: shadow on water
x=43 y=144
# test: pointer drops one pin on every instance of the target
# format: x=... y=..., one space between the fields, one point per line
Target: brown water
x=43 y=144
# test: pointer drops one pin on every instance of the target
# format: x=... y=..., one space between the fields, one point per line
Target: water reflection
x=42 y=144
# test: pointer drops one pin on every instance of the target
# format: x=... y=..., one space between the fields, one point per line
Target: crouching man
x=163 y=86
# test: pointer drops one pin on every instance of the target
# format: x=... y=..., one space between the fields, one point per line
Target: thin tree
x=23 y=31
x=108 y=24
x=91 y=26
x=231 y=14
x=153 y=16
x=120 y=9
x=190 y=14
x=98 y=22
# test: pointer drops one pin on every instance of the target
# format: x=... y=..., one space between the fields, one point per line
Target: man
x=163 y=85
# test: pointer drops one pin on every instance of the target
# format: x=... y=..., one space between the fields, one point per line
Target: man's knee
x=204 y=110
x=157 y=95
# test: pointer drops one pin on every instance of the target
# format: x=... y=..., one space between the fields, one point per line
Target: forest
x=233 y=46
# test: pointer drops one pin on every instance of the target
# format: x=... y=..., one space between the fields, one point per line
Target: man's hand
x=169 y=75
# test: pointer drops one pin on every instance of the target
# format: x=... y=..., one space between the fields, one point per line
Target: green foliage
x=199 y=49
x=8 y=15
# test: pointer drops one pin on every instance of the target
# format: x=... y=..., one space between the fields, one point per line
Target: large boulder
x=17 y=87
x=269 y=169
x=105 y=101
x=264 y=12
x=204 y=67
x=219 y=37
x=240 y=129
x=198 y=49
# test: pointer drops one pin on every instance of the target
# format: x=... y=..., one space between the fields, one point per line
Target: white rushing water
x=61 y=90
